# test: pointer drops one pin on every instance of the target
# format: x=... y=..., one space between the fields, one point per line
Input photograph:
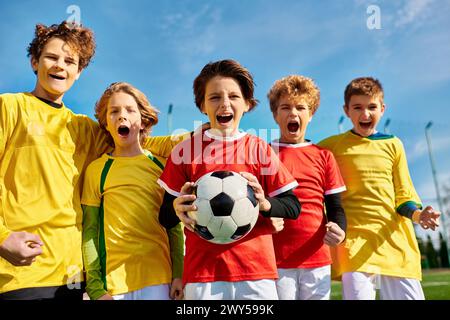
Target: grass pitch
x=435 y=284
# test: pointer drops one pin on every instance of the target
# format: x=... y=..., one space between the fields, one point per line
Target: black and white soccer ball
x=227 y=207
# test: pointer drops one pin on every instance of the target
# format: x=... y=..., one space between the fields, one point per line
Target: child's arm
x=95 y=286
x=406 y=199
x=427 y=218
x=167 y=216
x=284 y=205
x=176 y=242
x=19 y=248
x=174 y=209
x=337 y=222
x=163 y=145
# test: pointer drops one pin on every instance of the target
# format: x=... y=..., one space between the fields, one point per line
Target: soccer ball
x=227 y=207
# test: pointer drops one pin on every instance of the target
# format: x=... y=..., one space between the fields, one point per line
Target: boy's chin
x=365 y=132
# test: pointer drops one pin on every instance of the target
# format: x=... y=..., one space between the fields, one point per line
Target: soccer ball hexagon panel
x=227 y=207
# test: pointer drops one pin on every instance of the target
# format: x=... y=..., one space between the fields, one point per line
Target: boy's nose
x=366 y=114
x=59 y=64
x=225 y=102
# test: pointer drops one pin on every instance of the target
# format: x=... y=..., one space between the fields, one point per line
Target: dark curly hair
x=79 y=38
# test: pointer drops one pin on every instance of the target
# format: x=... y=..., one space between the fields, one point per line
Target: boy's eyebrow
x=120 y=106
x=218 y=93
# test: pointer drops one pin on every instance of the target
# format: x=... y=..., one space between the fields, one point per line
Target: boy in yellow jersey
x=44 y=151
x=128 y=255
x=380 y=250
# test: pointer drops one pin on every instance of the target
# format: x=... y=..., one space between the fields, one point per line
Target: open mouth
x=293 y=127
x=224 y=119
x=123 y=131
x=57 y=77
x=365 y=125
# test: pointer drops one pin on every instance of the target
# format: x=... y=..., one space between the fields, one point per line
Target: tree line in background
x=432 y=258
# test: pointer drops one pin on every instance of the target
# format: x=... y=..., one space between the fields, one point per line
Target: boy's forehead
x=118 y=99
x=362 y=98
x=293 y=99
x=222 y=82
x=58 y=45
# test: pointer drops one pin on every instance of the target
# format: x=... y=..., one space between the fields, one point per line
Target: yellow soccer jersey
x=378 y=240
x=136 y=247
x=43 y=153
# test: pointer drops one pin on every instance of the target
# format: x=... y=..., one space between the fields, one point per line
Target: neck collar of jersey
x=237 y=136
x=291 y=145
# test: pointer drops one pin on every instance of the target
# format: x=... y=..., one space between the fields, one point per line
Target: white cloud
x=413 y=12
x=420 y=148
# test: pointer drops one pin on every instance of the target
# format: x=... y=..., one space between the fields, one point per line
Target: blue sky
x=160 y=46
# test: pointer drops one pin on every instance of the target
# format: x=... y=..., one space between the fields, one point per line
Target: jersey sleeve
x=162 y=145
x=6 y=124
x=403 y=185
x=94 y=137
x=91 y=188
x=176 y=241
x=334 y=183
x=275 y=178
x=173 y=177
x=94 y=283
x=4 y=231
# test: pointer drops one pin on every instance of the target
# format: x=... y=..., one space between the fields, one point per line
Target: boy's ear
x=34 y=64
x=383 y=108
x=247 y=107
x=346 y=110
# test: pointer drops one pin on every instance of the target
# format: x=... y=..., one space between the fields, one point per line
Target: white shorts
x=159 y=292
x=363 y=286
x=224 y=290
x=304 y=284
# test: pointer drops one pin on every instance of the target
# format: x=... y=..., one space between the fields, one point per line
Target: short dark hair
x=225 y=68
x=364 y=86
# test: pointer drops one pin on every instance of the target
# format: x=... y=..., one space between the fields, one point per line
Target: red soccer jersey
x=252 y=257
x=300 y=243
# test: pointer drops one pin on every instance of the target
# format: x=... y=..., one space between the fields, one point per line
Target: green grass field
x=435 y=283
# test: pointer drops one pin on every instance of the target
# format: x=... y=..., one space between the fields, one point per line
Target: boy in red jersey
x=245 y=269
x=301 y=248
